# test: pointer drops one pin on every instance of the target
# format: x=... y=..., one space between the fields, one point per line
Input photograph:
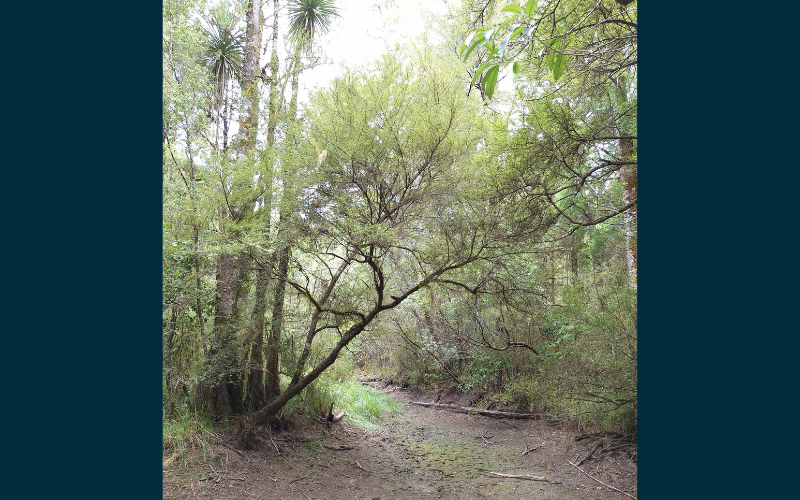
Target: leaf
x=466 y=43
x=490 y=80
x=478 y=73
x=512 y=8
x=504 y=23
x=501 y=48
x=559 y=66
x=529 y=7
x=516 y=33
x=551 y=54
x=478 y=40
x=515 y=68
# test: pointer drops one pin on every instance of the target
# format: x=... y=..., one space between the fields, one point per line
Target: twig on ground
x=528 y=477
x=601 y=482
x=484 y=436
x=273 y=442
x=305 y=495
x=226 y=445
x=359 y=466
x=534 y=448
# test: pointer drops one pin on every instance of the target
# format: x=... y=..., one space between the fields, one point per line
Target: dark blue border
x=82 y=192
x=717 y=119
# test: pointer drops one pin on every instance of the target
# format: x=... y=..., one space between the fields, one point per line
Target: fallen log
x=478 y=411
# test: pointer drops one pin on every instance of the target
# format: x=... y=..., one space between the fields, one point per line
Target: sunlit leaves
x=490 y=80
x=530 y=7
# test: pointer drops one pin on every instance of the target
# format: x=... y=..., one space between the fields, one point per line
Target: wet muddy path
x=421 y=453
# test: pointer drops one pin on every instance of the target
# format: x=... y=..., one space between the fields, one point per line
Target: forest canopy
x=459 y=213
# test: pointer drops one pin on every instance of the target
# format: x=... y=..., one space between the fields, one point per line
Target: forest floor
x=422 y=452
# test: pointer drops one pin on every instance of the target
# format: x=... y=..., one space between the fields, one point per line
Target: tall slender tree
x=221 y=389
x=307 y=19
x=259 y=379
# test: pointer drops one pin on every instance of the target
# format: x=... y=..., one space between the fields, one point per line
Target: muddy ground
x=420 y=453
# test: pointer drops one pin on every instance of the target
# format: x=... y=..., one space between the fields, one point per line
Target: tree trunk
x=298 y=384
x=248 y=121
x=276 y=326
x=273 y=82
x=219 y=391
x=628 y=176
x=256 y=396
x=273 y=346
x=199 y=285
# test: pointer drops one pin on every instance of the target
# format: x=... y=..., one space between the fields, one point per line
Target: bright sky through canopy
x=367 y=29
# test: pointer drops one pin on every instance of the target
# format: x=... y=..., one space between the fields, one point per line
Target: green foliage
x=307 y=17
x=549 y=28
x=485 y=370
x=223 y=54
x=505 y=230
x=364 y=407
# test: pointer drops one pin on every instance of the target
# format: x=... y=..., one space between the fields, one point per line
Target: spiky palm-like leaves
x=223 y=55
x=307 y=17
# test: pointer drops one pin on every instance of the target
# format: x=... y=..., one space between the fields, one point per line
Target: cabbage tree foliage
x=392 y=203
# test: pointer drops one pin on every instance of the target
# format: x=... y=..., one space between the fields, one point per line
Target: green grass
x=365 y=406
x=184 y=437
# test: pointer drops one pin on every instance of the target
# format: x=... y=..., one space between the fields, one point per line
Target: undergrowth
x=185 y=437
x=364 y=406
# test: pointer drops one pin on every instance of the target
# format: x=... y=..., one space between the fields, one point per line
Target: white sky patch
x=364 y=32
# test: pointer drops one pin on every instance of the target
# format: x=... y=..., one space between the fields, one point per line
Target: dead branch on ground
x=223 y=443
x=598 y=444
x=534 y=448
x=484 y=437
x=601 y=482
x=478 y=411
x=527 y=477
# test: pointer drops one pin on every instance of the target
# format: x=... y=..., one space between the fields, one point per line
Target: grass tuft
x=365 y=406
x=184 y=437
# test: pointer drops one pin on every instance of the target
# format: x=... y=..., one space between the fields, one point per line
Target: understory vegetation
x=457 y=215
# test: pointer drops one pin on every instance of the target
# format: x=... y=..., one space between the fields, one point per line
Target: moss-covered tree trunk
x=256 y=396
x=276 y=327
x=219 y=392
